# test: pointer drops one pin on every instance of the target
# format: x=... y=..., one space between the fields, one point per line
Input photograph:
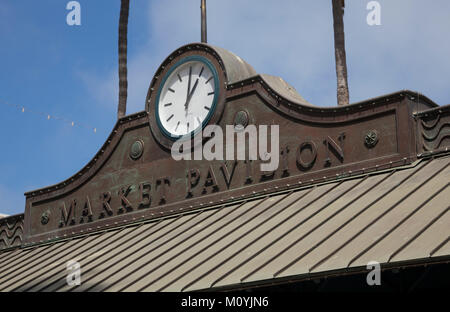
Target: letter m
x=68 y=215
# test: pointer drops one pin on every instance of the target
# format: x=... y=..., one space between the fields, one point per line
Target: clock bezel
x=155 y=88
x=181 y=62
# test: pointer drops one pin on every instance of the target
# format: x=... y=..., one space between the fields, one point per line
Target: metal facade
x=392 y=217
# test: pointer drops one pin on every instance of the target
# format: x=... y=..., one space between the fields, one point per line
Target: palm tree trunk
x=339 y=50
x=123 y=82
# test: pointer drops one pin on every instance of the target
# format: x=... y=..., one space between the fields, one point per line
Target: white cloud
x=294 y=39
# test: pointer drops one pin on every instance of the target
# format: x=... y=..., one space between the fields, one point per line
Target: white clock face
x=187 y=98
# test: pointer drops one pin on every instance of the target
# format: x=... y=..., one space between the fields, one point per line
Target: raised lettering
x=125 y=203
x=304 y=162
x=161 y=188
x=193 y=177
x=106 y=199
x=226 y=173
x=66 y=215
x=144 y=195
x=210 y=181
x=87 y=211
x=336 y=149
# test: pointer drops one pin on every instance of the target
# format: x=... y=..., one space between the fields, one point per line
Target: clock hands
x=189 y=84
x=190 y=95
x=190 y=75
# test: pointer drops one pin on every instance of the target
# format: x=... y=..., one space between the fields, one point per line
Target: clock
x=187 y=97
x=186 y=94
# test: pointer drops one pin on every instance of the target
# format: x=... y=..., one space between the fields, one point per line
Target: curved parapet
x=133 y=177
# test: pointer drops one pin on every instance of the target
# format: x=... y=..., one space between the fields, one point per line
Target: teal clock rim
x=212 y=68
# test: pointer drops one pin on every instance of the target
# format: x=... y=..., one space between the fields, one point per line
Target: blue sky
x=71 y=71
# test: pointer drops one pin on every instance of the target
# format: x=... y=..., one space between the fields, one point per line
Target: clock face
x=187 y=97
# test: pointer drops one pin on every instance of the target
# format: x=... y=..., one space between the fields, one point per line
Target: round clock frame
x=205 y=55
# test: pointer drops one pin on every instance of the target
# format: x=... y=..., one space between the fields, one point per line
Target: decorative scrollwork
x=45 y=217
x=371 y=138
x=11 y=231
x=136 y=150
x=241 y=120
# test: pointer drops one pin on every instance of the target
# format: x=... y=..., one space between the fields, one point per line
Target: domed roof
x=237 y=70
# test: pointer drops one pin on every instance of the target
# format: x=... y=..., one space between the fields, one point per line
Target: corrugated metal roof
x=396 y=216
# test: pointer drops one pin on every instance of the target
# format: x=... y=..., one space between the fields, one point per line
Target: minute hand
x=190 y=94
